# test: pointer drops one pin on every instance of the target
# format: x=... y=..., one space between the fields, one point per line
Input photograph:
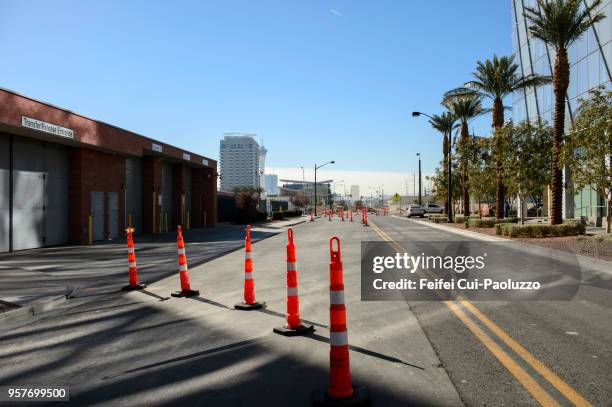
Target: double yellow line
x=522 y=376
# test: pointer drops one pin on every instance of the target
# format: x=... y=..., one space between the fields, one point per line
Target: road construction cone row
x=248 y=302
x=133 y=283
x=186 y=290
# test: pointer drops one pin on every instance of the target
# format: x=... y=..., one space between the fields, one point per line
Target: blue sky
x=318 y=80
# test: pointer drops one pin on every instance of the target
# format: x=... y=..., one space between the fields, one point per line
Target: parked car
x=433 y=208
x=415 y=210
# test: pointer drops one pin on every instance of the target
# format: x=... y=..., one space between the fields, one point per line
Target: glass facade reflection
x=590 y=61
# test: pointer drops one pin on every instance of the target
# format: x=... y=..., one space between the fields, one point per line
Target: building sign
x=186 y=157
x=47 y=127
x=205 y=162
x=156 y=147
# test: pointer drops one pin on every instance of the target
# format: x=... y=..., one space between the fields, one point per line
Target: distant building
x=241 y=161
x=270 y=184
x=306 y=188
x=355 y=193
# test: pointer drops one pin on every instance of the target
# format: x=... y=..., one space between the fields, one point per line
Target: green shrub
x=459 y=219
x=538 y=230
x=279 y=215
x=507 y=220
x=481 y=223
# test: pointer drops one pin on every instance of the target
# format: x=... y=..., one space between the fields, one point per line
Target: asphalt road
x=147 y=348
x=564 y=347
x=90 y=271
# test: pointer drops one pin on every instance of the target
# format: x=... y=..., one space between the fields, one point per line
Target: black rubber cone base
x=186 y=293
x=300 y=330
x=138 y=286
x=249 y=307
x=360 y=397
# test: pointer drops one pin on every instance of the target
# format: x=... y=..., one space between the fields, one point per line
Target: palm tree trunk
x=466 y=193
x=498 y=122
x=560 y=84
x=445 y=154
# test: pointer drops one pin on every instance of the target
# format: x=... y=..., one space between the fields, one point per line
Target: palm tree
x=465 y=107
x=559 y=23
x=496 y=79
x=444 y=123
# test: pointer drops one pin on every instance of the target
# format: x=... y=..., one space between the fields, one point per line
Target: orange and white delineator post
x=249 y=302
x=186 y=290
x=311 y=216
x=340 y=391
x=293 y=325
x=133 y=283
x=329 y=214
x=365 y=218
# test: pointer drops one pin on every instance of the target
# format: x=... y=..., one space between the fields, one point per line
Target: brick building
x=65 y=177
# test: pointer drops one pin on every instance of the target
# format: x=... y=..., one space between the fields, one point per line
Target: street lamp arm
x=417 y=114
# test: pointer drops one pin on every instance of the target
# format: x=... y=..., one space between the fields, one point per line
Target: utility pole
x=419 y=155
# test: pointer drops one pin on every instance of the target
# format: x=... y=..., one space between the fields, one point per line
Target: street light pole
x=315 y=183
x=419 y=155
x=449 y=201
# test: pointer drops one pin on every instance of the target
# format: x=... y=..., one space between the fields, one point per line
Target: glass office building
x=590 y=61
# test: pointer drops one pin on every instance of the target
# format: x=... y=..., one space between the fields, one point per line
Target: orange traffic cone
x=133 y=283
x=186 y=290
x=293 y=326
x=366 y=219
x=340 y=391
x=249 y=302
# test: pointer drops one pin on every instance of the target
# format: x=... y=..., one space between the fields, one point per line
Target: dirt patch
x=584 y=245
x=5 y=306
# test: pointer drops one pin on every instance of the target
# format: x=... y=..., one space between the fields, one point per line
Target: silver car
x=415 y=210
x=433 y=208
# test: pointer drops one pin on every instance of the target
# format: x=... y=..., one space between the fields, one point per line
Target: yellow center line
x=537 y=392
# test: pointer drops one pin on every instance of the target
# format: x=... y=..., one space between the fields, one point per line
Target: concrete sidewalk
x=35 y=276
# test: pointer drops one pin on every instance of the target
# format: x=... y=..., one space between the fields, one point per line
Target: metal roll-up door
x=166 y=187
x=188 y=194
x=5 y=174
x=39 y=194
x=133 y=192
x=113 y=215
x=28 y=204
x=56 y=195
x=97 y=213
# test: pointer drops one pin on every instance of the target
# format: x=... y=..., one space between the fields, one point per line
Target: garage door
x=40 y=194
x=166 y=188
x=5 y=202
x=133 y=192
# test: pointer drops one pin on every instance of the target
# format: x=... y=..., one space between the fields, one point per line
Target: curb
x=24 y=315
x=467 y=233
